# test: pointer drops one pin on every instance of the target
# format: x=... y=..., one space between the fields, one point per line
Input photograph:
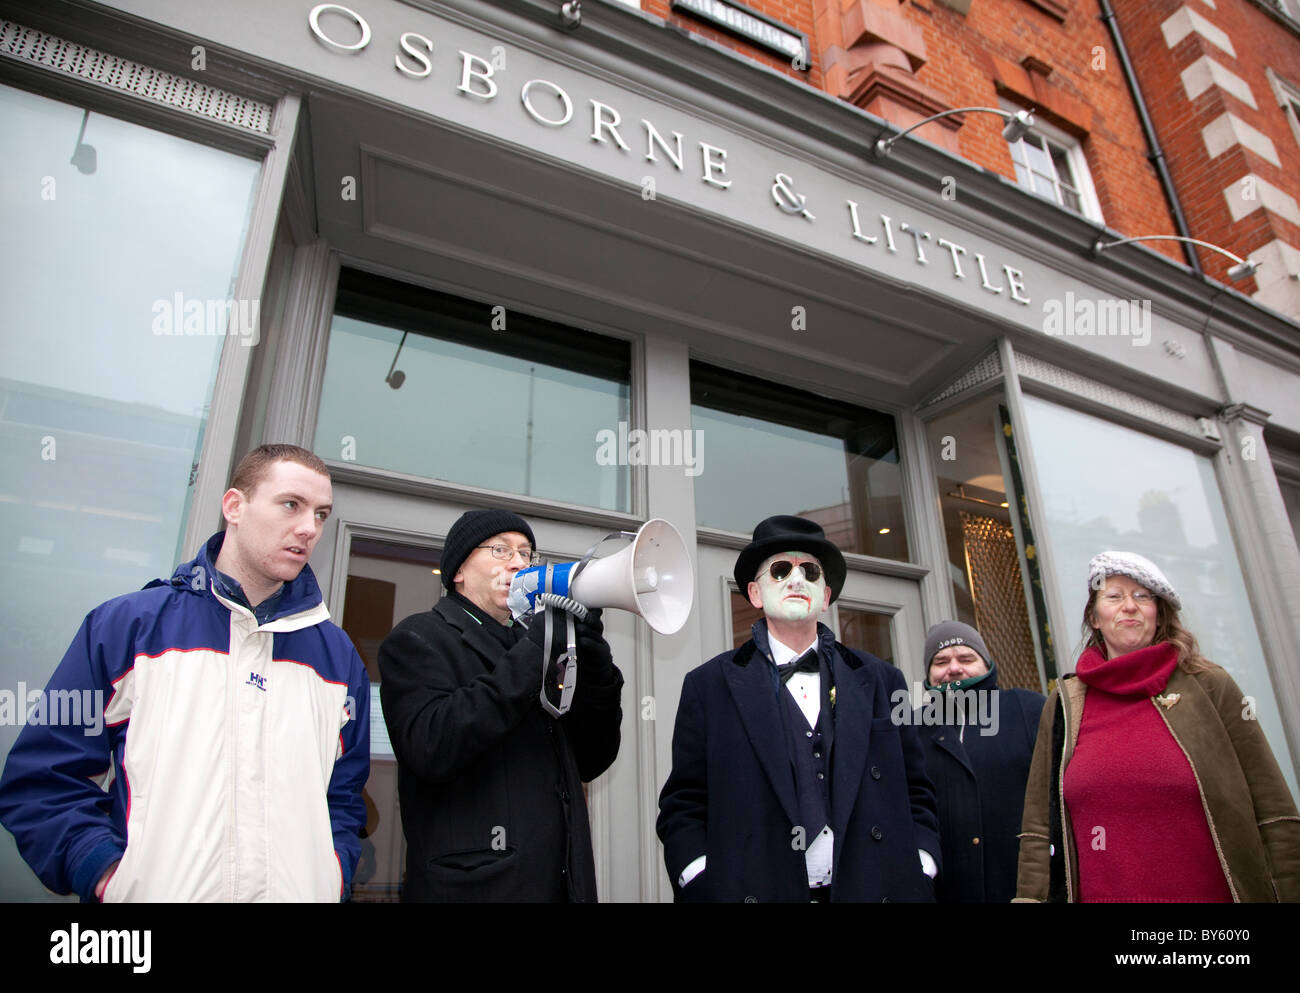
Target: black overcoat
x=979 y=780
x=731 y=793
x=489 y=784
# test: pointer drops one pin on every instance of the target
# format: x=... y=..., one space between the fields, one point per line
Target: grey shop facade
x=599 y=275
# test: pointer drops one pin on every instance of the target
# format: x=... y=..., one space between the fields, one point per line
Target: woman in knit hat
x=1151 y=779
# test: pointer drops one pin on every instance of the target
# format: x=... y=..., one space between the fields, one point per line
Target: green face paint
x=794 y=598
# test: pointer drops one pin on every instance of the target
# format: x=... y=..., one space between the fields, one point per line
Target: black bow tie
x=807 y=662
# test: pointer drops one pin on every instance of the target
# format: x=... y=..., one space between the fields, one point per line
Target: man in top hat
x=790 y=780
x=979 y=742
x=490 y=783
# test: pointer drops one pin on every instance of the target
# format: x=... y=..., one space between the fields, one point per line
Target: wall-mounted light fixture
x=1018 y=125
x=1244 y=268
x=570 y=14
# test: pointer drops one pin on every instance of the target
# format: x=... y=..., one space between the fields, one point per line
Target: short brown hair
x=254 y=466
x=1168 y=628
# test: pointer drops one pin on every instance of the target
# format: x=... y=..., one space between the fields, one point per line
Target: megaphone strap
x=569 y=680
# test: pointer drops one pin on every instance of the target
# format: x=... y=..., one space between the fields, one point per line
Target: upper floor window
x=1288 y=98
x=1051 y=163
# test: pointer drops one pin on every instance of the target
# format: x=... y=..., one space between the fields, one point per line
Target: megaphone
x=651 y=577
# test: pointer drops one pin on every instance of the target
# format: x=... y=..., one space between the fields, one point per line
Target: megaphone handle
x=564 y=603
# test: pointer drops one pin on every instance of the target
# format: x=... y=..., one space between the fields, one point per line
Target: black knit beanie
x=471 y=529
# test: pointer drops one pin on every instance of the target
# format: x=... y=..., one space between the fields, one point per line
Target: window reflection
x=433 y=385
x=101 y=412
x=773 y=449
x=1109 y=487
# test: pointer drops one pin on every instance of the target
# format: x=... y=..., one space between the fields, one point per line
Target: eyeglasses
x=1140 y=598
x=505 y=553
x=779 y=570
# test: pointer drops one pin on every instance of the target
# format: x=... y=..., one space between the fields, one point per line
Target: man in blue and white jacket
x=235 y=726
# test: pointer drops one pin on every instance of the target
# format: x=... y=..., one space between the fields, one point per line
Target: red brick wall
x=1259 y=41
x=1084 y=93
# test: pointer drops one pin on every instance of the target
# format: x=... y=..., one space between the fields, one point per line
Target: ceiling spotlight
x=570 y=14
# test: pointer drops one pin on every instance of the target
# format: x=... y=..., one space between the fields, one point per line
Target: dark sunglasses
x=779 y=570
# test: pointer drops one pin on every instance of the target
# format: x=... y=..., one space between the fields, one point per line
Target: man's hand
x=593 y=650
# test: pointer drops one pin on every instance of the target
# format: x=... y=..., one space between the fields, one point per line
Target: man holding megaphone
x=490 y=782
x=791 y=782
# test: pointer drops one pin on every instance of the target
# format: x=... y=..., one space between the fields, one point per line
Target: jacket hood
x=198 y=574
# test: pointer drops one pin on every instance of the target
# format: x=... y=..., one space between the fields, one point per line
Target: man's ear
x=232 y=503
x=755 y=597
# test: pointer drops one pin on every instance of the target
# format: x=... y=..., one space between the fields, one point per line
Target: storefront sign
x=862 y=231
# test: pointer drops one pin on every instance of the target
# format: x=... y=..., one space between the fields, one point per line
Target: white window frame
x=1289 y=8
x=1288 y=98
x=1089 y=205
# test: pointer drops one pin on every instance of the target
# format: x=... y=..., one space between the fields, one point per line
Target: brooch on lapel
x=832 y=696
x=1169 y=699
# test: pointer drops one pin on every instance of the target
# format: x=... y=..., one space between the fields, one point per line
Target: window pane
x=117 y=275
x=421 y=382
x=1109 y=487
x=777 y=450
x=1044 y=186
x=1037 y=157
x=868 y=632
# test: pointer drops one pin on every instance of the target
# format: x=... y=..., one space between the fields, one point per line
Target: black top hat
x=784 y=533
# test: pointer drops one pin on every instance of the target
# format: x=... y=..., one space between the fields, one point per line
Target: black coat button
x=877 y=833
x=875 y=772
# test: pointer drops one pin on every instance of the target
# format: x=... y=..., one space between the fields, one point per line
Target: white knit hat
x=1137 y=568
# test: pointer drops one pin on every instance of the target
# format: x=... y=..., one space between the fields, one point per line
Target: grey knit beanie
x=1135 y=567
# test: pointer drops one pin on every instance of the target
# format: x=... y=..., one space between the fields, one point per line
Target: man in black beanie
x=790 y=780
x=490 y=784
x=979 y=741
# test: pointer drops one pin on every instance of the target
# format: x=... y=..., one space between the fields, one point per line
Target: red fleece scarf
x=1141 y=673
x=1139 y=826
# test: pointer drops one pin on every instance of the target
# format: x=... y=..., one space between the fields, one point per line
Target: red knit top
x=1139 y=824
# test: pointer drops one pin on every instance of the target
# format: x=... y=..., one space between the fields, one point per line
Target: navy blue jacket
x=980 y=783
x=731 y=793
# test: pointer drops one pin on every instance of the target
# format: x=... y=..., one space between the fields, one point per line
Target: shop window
x=432 y=385
x=1051 y=164
x=120 y=245
x=772 y=449
x=986 y=564
x=1110 y=487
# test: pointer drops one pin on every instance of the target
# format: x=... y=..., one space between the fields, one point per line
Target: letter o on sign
x=526 y=96
x=313 y=19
